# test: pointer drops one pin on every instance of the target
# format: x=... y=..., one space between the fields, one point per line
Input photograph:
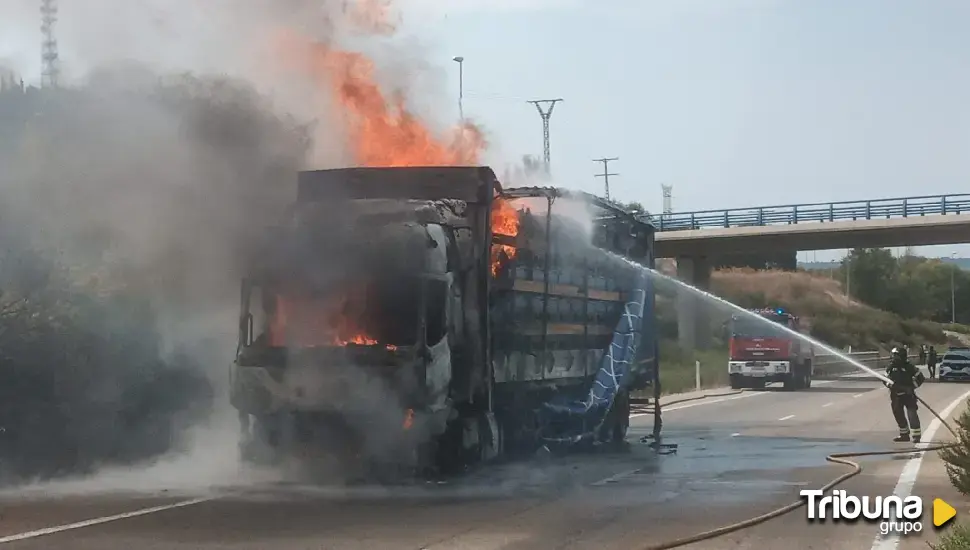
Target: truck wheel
x=621 y=422
x=737 y=382
x=261 y=447
x=489 y=437
x=792 y=381
x=615 y=425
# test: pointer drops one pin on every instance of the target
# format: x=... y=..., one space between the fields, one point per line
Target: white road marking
x=858 y=395
x=615 y=478
x=827 y=405
x=735 y=434
x=106 y=519
x=782 y=419
x=700 y=402
x=904 y=487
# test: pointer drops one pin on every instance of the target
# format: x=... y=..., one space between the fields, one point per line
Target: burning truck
x=429 y=319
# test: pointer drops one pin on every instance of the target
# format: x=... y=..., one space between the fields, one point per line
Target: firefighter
x=931 y=360
x=905 y=379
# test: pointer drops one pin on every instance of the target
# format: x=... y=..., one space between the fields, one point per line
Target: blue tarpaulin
x=584 y=418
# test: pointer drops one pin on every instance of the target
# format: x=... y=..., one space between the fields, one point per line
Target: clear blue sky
x=734 y=102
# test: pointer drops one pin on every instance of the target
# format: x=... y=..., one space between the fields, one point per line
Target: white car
x=955 y=365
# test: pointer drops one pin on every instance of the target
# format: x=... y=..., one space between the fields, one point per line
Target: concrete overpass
x=697 y=239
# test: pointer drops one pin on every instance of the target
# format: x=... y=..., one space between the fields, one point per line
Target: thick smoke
x=131 y=200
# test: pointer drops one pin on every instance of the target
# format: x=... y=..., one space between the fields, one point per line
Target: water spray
x=749 y=314
x=837 y=458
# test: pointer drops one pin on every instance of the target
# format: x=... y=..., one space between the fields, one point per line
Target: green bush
x=678 y=369
x=957 y=327
x=957 y=458
x=84 y=379
x=955 y=538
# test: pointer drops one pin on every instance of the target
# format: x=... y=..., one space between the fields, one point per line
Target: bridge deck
x=905 y=207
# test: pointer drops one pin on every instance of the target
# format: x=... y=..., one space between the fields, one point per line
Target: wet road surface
x=738 y=457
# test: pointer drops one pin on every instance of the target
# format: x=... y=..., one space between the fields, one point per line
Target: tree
x=633 y=206
x=869 y=273
x=910 y=286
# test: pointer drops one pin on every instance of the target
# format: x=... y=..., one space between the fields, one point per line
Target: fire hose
x=837 y=458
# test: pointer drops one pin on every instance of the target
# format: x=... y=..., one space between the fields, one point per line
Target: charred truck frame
x=427 y=318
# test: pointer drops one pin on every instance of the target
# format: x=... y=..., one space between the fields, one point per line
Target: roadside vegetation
x=115 y=273
x=892 y=301
x=84 y=379
x=957 y=463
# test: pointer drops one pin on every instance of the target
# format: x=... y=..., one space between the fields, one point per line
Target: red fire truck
x=762 y=352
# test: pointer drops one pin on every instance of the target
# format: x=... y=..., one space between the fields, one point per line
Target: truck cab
x=763 y=349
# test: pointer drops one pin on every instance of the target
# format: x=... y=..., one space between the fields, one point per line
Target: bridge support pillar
x=693 y=322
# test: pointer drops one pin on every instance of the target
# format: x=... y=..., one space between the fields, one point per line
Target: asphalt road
x=738 y=457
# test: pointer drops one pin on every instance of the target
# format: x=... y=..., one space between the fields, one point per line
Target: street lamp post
x=461 y=85
x=848 y=278
x=953 y=293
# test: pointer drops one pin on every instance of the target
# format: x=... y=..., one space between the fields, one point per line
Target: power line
x=606 y=173
x=546 y=115
x=49 y=56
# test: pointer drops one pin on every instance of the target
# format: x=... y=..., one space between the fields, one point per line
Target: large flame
x=380 y=129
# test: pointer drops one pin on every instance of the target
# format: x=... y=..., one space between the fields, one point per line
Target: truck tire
x=262 y=447
x=615 y=426
x=793 y=381
x=737 y=382
x=621 y=422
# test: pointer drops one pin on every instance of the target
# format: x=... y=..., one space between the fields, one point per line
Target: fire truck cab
x=761 y=351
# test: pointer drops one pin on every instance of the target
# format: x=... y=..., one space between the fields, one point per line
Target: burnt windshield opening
x=377 y=312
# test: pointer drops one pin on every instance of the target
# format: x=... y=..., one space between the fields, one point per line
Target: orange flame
x=359 y=339
x=505 y=221
x=305 y=322
x=381 y=130
x=408 y=419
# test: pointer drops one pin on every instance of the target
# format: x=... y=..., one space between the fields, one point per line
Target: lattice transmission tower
x=49 y=56
x=546 y=115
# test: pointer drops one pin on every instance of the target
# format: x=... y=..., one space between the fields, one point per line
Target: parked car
x=955 y=364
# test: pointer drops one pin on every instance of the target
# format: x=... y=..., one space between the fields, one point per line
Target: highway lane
x=738 y=457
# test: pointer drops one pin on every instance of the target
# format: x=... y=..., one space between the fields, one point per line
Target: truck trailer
x=426 y=318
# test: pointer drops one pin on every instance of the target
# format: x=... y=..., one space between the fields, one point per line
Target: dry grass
x=824 y=308
x=783 y=286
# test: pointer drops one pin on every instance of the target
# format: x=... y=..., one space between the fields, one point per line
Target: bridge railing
x=831 y=365
x=818 y=212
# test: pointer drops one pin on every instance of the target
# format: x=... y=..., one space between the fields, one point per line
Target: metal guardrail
x=831 y=365
x=928 y=205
